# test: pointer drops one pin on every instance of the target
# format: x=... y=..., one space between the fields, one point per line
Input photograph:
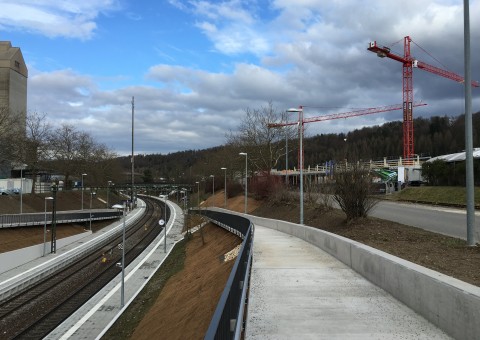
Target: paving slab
x=298 y=291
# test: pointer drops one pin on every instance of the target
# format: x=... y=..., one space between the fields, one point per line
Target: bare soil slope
x=182 y=306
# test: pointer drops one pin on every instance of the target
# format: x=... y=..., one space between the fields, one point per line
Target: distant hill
x=433 y=136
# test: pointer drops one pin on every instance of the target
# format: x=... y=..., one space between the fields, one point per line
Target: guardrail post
x=233 y=323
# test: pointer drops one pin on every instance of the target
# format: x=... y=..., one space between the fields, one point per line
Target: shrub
x=353 y=192
x=234 y=189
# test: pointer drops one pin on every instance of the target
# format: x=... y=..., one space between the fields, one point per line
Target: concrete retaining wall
x=450 y=304
x=15 y=258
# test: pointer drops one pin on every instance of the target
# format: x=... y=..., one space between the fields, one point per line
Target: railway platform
x=298 y=291
x=94 y=318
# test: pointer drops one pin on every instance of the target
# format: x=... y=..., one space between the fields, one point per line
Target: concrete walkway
x=297 y=291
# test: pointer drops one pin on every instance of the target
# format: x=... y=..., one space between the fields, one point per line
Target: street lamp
x=213 y=189
x=21 y=188
x=91 y=197
x=108 y=191
x=53 y=244
x=246 y=180
x=225 y=186
x=286 y=156
x=198 y=194
x=300 y=133
x=165 y=222
x=45 y=225
x=82 y=188
x=122 y=291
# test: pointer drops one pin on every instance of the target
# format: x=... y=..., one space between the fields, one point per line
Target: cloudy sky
x=194 y=66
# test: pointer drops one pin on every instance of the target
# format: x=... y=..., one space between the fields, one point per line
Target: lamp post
x=165 y=221
x=286 y=156
x=198 y=194
x=246 y=179
x=213 y=189
x=122 y=289
x=225 y=186
x=21 y=190
x=53 y=246
x=300 y=133
x=82 y=188
x=108 y=191
x=45 y=226
x=91 y=197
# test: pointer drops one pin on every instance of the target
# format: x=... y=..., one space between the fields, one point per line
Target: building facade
x=13 y=94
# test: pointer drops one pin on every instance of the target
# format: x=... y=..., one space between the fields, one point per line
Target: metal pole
x=225 y=187
x=133 y=167
x=246 y=179
x=213 y=190
x=21 y=190
x=246 y=183
x=82 y=188
x=122 y=296
x=286 y=155
x=301 y=163
x=108 y=190
x=165 y=225
x=468 y=129
x=198 y=194
x=91 y=196
x=45 y=229
x=53 y=247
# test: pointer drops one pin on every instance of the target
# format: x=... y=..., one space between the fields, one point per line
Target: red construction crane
x=362 y=112
x=408 y=64
x=332 y=116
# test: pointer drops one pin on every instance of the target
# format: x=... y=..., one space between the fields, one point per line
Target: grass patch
x=437 y=195
x=126 y=324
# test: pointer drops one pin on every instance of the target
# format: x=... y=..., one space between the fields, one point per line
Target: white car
x=163 y=197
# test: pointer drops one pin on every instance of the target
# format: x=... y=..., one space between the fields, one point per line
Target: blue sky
x=195 y=66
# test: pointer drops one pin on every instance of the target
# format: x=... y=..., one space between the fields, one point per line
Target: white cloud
x=70 y=18
x=307 y=52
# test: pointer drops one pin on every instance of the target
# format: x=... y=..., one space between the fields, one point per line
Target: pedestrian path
x=297 y=291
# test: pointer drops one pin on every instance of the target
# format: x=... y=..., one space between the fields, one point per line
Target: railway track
x=35 y=312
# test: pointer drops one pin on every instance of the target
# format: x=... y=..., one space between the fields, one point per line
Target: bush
x=353 y=192
x=281 y=196
x=234 y=189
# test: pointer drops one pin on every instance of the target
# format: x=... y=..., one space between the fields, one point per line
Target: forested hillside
x=433 y=136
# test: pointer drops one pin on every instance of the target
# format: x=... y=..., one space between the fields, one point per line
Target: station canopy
x=456 y=157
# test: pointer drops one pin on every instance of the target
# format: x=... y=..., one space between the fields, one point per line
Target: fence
x=22 y=220
x=227 y=321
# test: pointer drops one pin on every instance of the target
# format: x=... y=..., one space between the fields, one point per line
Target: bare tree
x=7 y=136
x=264 y=145
x=32 y=147
x=64 y=151
x=353 y=192
x=75 y=152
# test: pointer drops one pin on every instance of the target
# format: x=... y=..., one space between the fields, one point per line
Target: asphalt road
x=443 y=220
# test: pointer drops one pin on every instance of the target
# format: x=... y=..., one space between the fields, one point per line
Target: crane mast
x=409 y=63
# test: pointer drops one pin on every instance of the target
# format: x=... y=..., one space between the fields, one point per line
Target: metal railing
x=227 y=321
x=20 y=220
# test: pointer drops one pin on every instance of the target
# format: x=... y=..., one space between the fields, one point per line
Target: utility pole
x=470 y=184
x=133 y=163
